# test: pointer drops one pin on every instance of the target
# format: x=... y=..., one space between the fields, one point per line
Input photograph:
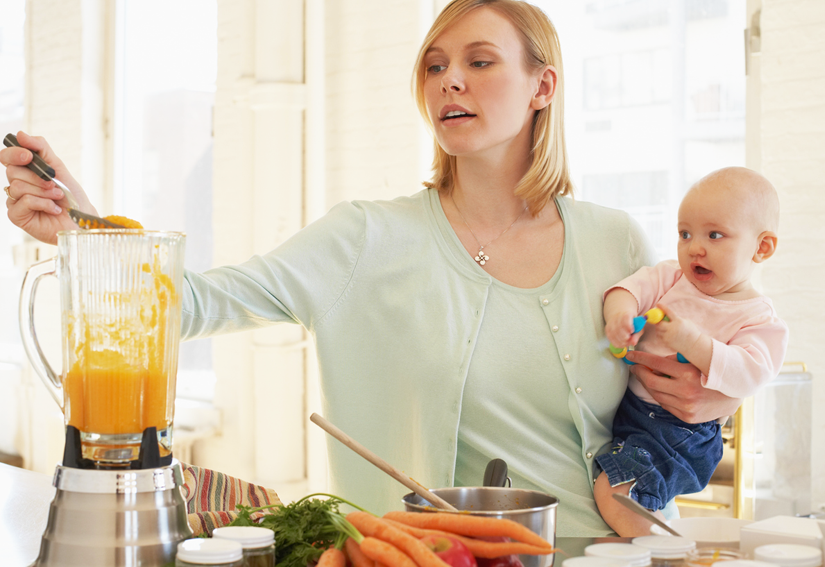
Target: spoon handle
x=42 y=169
x=436 y=501
x=634 y=506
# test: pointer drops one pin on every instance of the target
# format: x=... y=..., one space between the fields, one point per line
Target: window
x=627 y=79
x=165 y=77
x=654 y=100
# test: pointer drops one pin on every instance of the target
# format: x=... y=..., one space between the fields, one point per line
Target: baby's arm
x=684 y=337
x=620 y=308
x=750 y=359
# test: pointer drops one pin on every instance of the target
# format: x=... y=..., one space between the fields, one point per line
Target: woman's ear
x=766 y=246
x=546 y=90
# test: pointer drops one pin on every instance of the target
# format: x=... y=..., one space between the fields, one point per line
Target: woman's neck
x=485 y=184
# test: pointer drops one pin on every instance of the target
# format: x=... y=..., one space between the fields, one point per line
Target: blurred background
x=240 y=122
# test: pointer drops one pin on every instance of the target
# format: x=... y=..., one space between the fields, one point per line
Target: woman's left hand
x=678 y=388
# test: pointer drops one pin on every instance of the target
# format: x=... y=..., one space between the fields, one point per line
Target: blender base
x=125 y=515
x=115 y=518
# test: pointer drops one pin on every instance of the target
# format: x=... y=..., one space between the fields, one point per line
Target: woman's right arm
x=35 y=205
x=678 y=388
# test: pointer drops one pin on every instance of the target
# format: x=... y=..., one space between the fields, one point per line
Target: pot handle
x=27 y=334
x=496 y=474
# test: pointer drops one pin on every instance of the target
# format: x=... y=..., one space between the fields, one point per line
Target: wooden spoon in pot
x=436 y=501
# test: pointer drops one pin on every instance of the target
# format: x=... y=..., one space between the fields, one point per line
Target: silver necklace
x=482 y=258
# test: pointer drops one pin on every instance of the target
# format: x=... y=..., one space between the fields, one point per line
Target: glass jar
x=213 y=552
x=666 y=551
x=705 y=556
x=636 y=555
x=258 y=543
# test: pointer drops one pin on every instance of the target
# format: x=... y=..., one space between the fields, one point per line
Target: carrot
x=478 y=547
x=371 y=526
x=332 y=557
x=467 y=525
x=386 y=553
x=356 y=555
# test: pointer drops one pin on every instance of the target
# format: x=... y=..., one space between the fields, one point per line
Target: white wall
x=377 y=146
x=258 y=170
x=793 y=146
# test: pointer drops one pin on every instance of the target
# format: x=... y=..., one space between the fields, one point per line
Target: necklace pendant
x=481 y=257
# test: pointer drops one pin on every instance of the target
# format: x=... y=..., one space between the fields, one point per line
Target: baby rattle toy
x=653 y=316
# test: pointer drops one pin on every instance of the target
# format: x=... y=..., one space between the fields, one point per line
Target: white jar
x=258 y=543
x=594 y=562
x=213 y=552
x=789 y=555
x=635 y=555
x=666 y=550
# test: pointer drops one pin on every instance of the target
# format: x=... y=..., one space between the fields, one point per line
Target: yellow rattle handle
x=655 y=315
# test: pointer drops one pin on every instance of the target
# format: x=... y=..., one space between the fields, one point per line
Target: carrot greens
x=304 y=529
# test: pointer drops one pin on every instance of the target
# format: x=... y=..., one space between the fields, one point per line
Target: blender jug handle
x=30 y=343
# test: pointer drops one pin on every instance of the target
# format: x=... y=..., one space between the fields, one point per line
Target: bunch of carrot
x=393 y=541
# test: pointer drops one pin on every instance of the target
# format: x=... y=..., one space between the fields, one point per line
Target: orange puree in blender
x=109 y=396
x=121 y=380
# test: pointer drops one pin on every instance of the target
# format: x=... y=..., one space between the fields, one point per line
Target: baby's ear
x=766 y=246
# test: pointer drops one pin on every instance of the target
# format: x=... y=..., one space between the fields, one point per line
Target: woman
x=462 y=323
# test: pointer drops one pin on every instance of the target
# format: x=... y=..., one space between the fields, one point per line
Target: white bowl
x=706 y=530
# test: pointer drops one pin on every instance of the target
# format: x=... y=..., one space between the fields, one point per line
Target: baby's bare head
x=744 y=194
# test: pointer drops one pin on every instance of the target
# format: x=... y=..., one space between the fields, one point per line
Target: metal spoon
x=631 y=504
x=45 y=172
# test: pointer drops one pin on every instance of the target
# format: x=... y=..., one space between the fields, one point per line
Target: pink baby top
x=749 y=340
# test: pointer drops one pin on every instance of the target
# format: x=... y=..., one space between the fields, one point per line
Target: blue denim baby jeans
x=664 y=455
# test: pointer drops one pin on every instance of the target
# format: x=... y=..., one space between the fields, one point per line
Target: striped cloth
x=212 y=498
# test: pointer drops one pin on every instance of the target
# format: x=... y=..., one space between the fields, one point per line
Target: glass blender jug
x=120 y=323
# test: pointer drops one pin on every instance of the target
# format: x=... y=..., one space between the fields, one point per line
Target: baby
x=715 y=319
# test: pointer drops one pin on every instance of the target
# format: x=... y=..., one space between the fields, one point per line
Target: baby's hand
x=619 y=330
x=677 y=333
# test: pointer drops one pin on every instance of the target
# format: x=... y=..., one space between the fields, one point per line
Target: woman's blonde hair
x=549 y=173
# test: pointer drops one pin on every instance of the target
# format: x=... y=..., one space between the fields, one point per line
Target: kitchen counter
x=24 y=509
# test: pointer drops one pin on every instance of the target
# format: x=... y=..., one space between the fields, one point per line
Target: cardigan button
x=566 y=357
x=555 y=328
x=545 y=301
x=578 y=390
x=589 y=455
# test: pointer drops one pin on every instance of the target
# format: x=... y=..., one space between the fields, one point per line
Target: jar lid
x=665 y=547
x=209 y=551
x=636 y=555
x=250 y=537
x=596 y=562
x=789 y=555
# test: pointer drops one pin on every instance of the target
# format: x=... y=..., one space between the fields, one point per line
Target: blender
x=118 y=499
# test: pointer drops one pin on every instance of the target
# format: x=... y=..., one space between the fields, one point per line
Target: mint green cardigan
x=395 y=310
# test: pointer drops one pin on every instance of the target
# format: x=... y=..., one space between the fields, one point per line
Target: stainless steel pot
x=535 y=510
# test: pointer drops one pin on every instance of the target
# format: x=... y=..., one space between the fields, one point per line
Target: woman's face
x=480 y=97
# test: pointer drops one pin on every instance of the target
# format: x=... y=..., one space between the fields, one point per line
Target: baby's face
x=718 y=238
